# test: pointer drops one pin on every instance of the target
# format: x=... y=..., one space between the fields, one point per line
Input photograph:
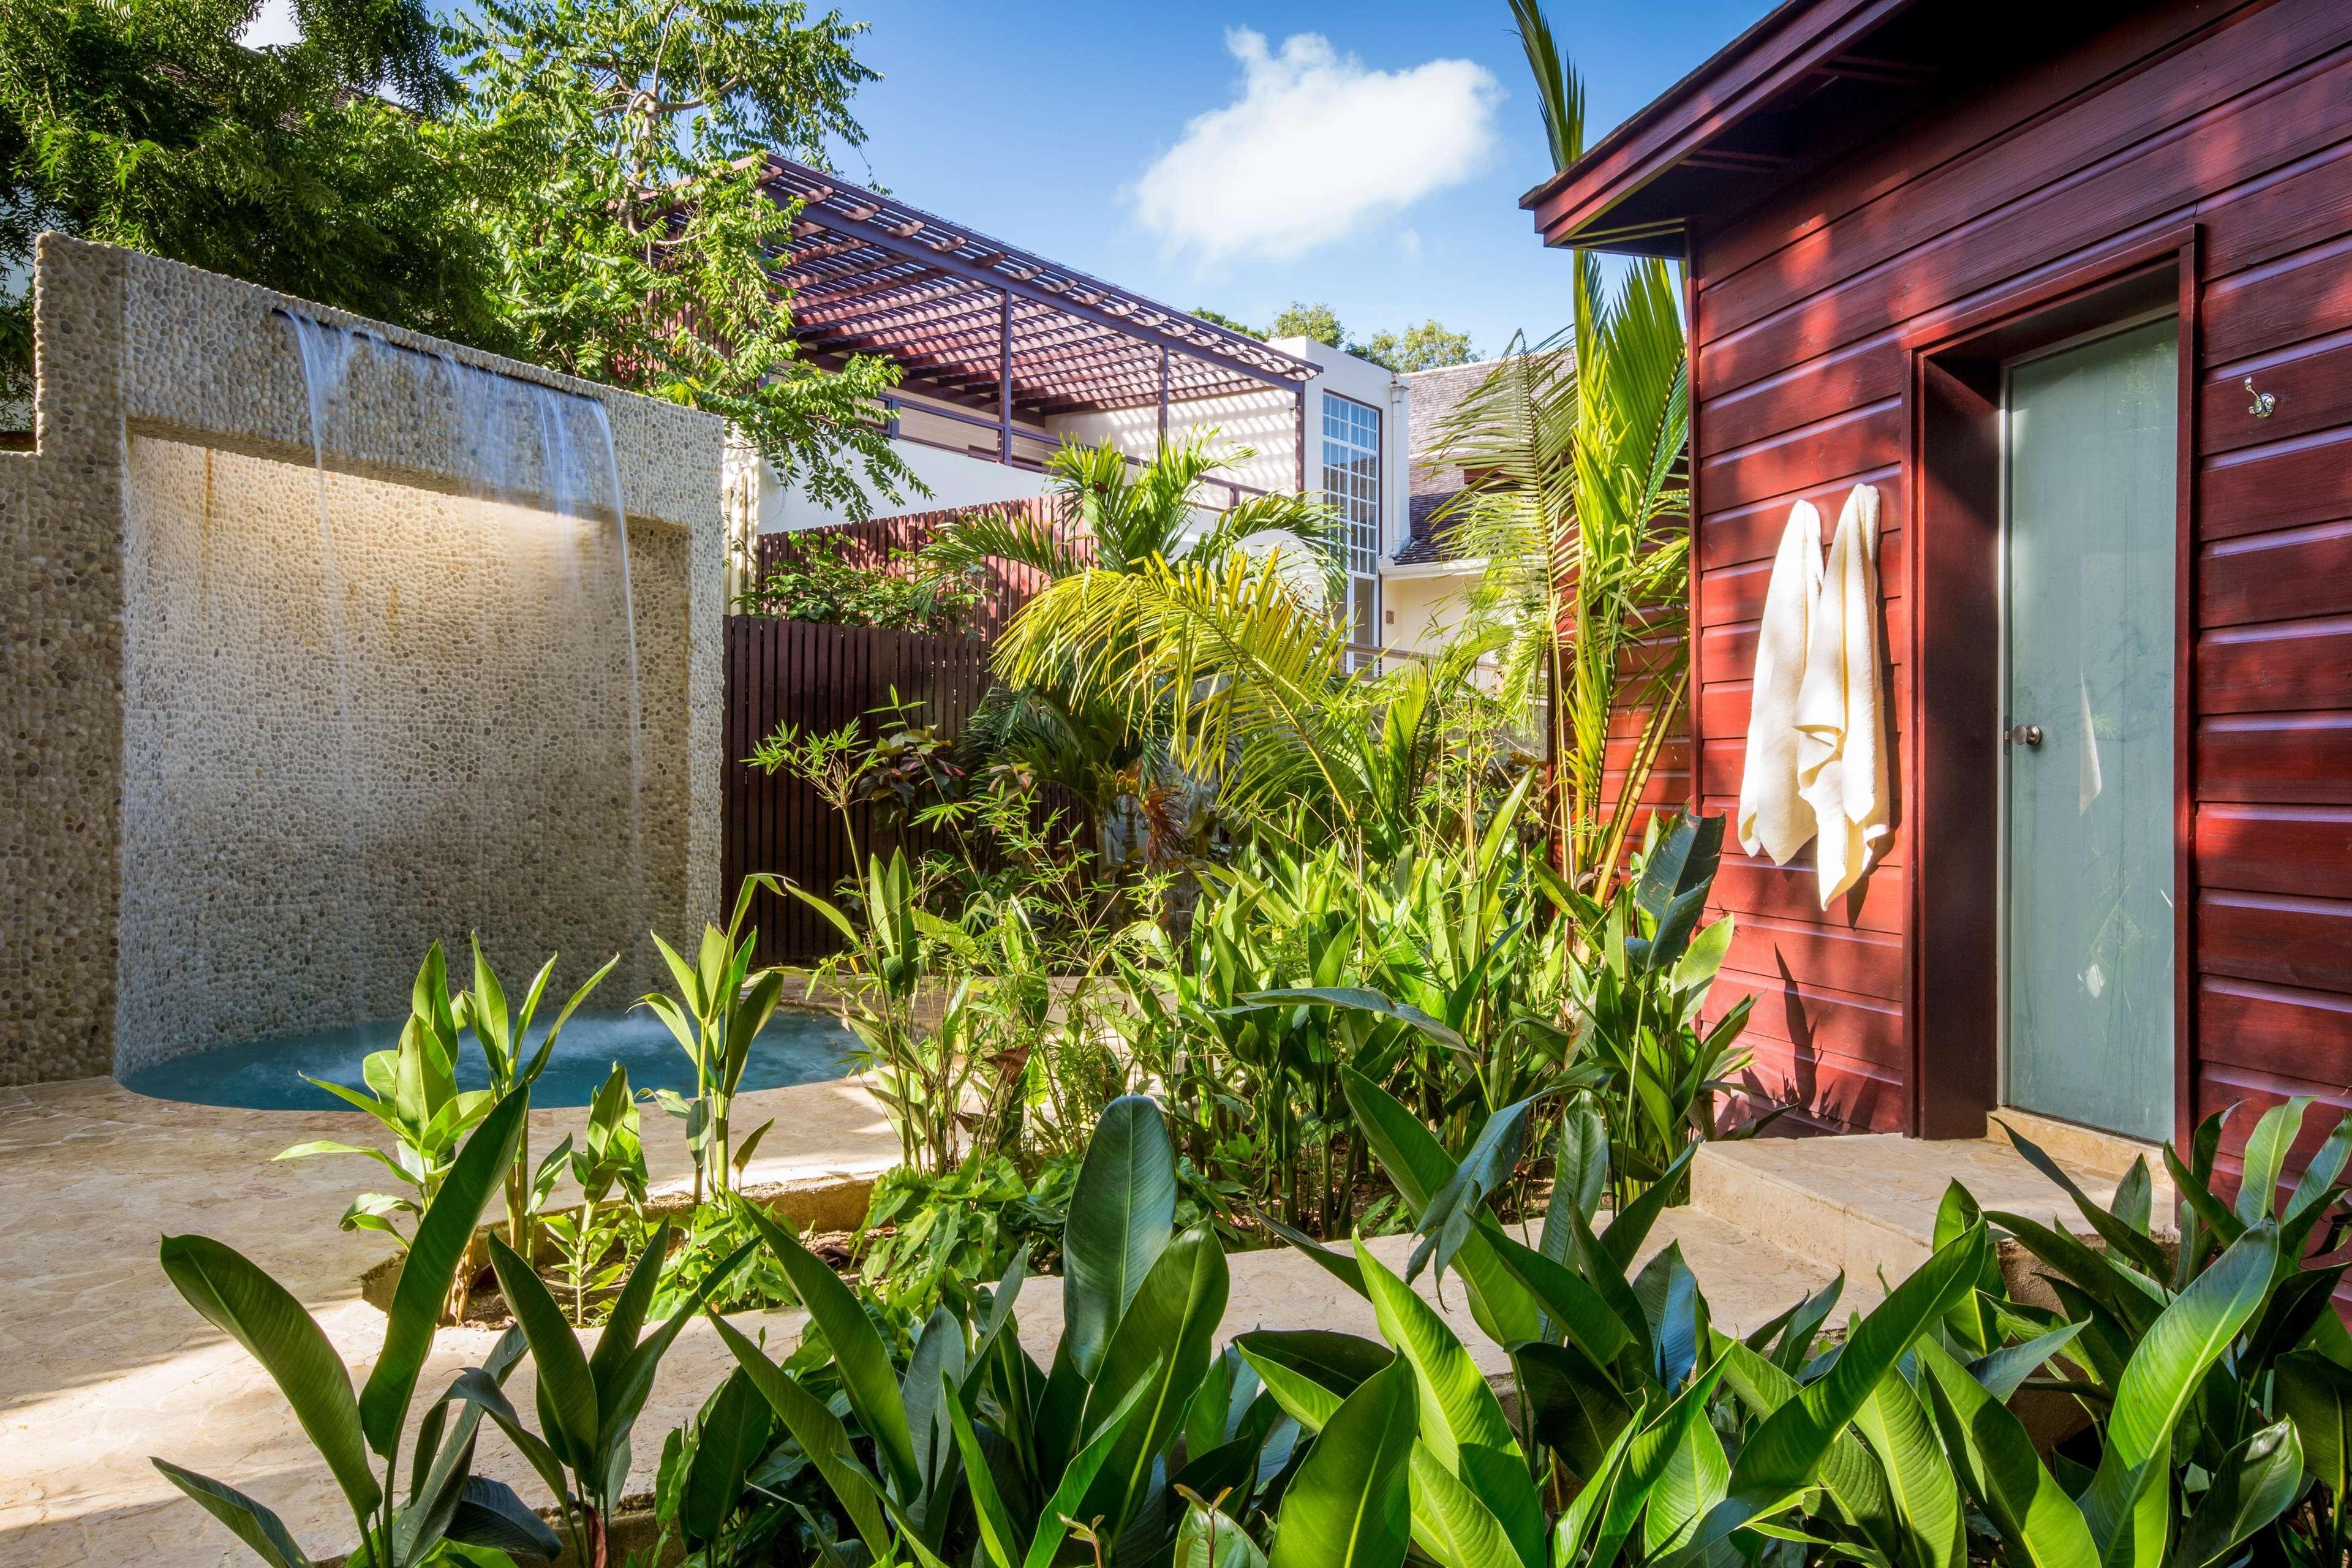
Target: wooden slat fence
x=821 y=677
x=872 y=544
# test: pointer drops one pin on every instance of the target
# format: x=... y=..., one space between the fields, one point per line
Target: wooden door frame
x=1949 y=791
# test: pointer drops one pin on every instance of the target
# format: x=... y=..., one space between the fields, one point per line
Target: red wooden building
x=2072 y=284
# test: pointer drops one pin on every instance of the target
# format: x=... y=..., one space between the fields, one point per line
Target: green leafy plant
x=974 y=1447
x=720 y=1009
x=813 y=579
x=1638 y=1000
x=504 y=1035
x=354 y=1431
x=920 y=1072
x=589 y=1402
x=413 y=1091
x=609 y=1156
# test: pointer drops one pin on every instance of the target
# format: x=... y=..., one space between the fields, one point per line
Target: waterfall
x=525 y=455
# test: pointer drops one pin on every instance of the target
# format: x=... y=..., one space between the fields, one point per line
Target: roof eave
x=1786 y=45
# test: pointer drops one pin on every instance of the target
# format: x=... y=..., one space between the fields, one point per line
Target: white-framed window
x=1351 y=476
x=1351 y=483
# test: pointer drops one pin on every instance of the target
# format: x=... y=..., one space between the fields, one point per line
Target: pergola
x=993 y=329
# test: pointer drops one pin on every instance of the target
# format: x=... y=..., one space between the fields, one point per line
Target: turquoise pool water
x=265 y=1075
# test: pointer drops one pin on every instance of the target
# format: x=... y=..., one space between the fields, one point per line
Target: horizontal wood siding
x=2237 y=118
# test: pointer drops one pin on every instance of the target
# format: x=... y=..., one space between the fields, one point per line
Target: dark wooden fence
x=821 y=677
x=873 y=543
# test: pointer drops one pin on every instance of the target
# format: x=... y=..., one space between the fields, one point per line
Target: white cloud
x=274 y=23
x=1314 y=149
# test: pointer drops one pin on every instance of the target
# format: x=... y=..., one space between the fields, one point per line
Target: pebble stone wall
x=196 y=847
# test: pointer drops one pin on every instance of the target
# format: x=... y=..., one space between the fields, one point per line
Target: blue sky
x=1064 y=128
x=1245 y=153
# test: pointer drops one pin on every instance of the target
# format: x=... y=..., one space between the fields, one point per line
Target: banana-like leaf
x=1926 y=1497
x=1647 y=1459
x=1162 y=1342
x=490 y=1515
x=2255 y=1482
x=1451 y=1522
x=1419 y=1165
x=627 y=1320
x=2265 y=1155
x=2163 y=1373
x=2041 y=1524
x=1784 y=1456
x=567 y=1392
x=2003 y=1371
x=2315 y=1392
x=1122 y=1217
x=263 y=1316
x=1210 y=1538
x=250 y=1522
x=431 y=1265
x=1857 y=1484
x=1350 y=1504
x=732 y=1435
x=1460 y=1420
x=999 y=1536
x=867 y=1377
x=2119 y=1235
x=1452 y=1210
x=822 y=1438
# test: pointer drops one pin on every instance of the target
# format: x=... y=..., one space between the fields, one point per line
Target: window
x=1351 y=476
x=1351 y=483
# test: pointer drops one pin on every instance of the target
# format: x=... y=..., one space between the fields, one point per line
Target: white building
x=1006 y=356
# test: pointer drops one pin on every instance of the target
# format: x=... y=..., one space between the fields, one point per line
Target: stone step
x=1866 y=1202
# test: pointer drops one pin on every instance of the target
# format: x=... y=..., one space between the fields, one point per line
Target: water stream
x=526 y=455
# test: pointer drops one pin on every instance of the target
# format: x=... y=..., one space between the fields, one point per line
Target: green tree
x=1427 y=346
x=622 y=141
x=1300 y=319
x=1219 y=319
x=1582 y=513
x=146 y=123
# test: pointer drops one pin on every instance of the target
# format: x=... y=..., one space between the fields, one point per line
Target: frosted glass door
x=2090 y=810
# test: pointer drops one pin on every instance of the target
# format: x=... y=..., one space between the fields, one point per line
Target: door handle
x=2023 y=735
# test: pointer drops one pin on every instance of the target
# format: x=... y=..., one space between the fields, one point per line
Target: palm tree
x=1581 y=510
x=1075 y=701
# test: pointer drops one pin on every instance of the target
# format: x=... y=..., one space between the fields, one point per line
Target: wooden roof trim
x=1800 y=38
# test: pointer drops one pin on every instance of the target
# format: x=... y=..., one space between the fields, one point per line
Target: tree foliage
x=1428 y=346
x=1300 y=319
x=146 y=123
x=631 y=235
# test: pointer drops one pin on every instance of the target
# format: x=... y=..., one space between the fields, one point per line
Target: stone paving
x=102 y=1365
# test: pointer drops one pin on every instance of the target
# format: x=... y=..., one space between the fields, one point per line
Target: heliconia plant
x=413 y=1091
x=588 y=1401
x=504 y=1035
x=357 y=1433
x=722 y=1006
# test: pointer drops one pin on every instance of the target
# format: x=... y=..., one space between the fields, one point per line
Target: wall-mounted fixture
x=2263 y=401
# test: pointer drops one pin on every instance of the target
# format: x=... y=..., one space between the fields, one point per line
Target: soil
x=486 y=1304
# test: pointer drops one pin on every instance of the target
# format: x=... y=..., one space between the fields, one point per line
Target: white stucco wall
x=1420 y=612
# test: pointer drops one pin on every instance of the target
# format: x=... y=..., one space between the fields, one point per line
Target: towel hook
x=2263 y=401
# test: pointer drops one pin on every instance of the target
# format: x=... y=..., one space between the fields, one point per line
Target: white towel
x=1774 y=819
x=1840 y=734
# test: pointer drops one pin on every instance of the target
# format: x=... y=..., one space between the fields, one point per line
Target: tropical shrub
x=720 y=1009
x=354 y=1431
x=814 y=580
x=588 y=1401
x=610 y=1155
x=1637 y=999
x=976 y=1452
x=503 y=1036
